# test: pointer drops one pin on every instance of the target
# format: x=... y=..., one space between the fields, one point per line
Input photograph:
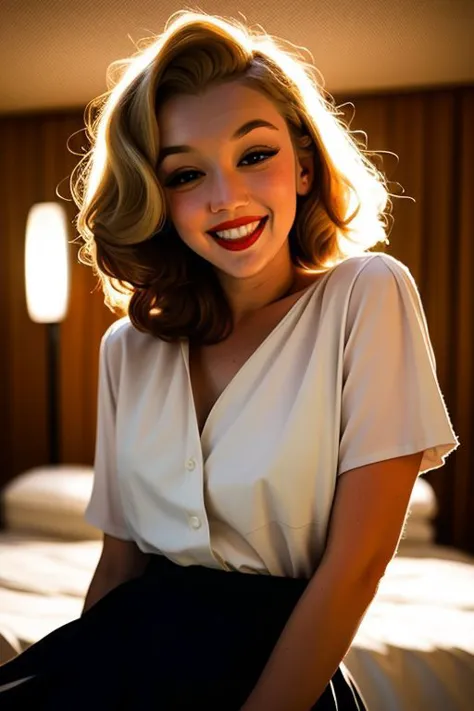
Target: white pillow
x=418 y=531
x=422 y=510
x=423 y=503
x=50 y=501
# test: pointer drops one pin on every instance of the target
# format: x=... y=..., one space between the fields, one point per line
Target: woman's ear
x=304 y=175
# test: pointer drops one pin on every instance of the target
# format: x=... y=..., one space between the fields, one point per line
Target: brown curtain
x=430 y=152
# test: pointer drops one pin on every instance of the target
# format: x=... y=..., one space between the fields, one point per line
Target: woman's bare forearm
x=312 y=644
x=104 y=580
x=101 y=584
x=119 y=562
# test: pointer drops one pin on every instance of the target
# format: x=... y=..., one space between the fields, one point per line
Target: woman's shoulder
x=118 y=331
x=369 y=264
x=367 y=272
x=116 y=337
x=124 y=332
x=122 y=341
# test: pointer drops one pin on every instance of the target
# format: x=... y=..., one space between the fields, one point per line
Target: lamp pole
x=53 y=334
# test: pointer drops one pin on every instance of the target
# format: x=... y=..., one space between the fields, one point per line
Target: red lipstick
x=237 y=245
x=238 y=222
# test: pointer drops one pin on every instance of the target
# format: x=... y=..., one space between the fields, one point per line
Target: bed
x=414 y=650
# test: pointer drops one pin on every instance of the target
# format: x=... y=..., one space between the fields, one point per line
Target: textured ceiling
x=54 y=53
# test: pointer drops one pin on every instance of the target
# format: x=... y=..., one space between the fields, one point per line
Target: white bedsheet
x=414 y=650
x=43 y=583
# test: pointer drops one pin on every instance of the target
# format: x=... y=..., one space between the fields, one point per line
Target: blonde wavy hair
x=145 y=269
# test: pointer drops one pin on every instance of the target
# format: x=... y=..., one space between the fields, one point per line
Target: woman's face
x=227 y=174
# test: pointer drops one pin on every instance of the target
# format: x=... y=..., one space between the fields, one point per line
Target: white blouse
x=346 y=378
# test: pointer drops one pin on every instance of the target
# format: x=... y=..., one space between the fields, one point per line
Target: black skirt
x=175 y=639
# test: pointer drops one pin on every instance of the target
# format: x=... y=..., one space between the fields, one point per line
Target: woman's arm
x=367 y=520
x=119 y=561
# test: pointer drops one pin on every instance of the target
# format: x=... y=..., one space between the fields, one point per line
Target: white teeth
x=239 y=232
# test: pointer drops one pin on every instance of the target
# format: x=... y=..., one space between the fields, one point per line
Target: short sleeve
x=104 y=510
x=391 y=402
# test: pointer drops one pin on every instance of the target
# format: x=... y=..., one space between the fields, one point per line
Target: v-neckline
x=184 y=345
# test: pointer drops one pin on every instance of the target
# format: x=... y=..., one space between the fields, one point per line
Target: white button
x=195 y=522
x=191 y=464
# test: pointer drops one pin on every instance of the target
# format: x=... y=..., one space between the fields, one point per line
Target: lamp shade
x=47 y=263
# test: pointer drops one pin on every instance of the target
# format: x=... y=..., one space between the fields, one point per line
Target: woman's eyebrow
x=239 y=133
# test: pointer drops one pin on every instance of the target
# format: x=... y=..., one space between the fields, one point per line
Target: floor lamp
x=47 y=295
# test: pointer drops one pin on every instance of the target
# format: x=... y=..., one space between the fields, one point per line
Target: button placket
x=194 y=521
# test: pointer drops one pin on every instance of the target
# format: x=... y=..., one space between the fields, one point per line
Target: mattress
x=414 y=649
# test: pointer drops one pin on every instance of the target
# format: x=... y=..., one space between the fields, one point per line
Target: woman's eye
x=261 y=152
x=174 y=182
x=177 y=179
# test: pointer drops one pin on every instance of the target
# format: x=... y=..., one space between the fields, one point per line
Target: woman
x=265 y=404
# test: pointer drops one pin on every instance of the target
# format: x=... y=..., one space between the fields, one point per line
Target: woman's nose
x=227 y=192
